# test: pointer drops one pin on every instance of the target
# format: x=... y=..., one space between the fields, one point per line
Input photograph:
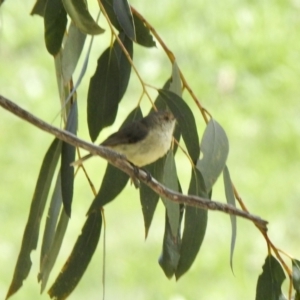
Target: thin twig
x=121 y=163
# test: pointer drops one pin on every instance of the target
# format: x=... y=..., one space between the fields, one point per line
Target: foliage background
x=242 y=60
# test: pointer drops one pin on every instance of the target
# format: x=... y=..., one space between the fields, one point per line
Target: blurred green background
x=242 y=59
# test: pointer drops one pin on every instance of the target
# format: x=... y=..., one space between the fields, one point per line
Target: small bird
x=144 y=141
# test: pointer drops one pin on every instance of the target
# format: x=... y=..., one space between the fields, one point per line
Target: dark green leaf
x=79 y=259
x=270 y=281
x=186 y=122
x=143 y=35
x=39 y=8
x=215 y=148
x=124 y=65
x=170 y=181
x=67 y=157
x=71 y=52
x=296 y=274
x=195 y=223
x=124 y=16
x=230 y=200
x=78 y=11
x=175 y=84
x=55 y=22
x=148 y=197
x=114 y=180
x=31 y=233
x=104 y=93
x=171 y=249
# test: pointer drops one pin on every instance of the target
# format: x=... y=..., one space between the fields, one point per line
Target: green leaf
x=143 y=35
x=230 y=200
x=78 y=11
x=171 y=249
x=68 y=153
x=195 y=223
x=71 y=52
x=175 y=84
x=39 y=8
x=31 y=233
x=124 y=16
x=79 y=259
x=185 y=120
x=55 y=22
x=114 y=180
x=148 y=197
x=269 y=282
x=53 y=235
x=296 y=274
x=215 y=148
x=170 y=181
x=103 y=94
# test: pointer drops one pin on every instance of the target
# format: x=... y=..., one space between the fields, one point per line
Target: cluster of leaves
x=185 y=226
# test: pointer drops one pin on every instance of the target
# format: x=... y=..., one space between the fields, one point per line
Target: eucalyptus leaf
x=143 y=35
x=78 y=11
x=296 y=274
x=39 y=8
x=79 y=258
x=71 y=52
x=215 y=149
x=195 y=223
x=175 y=84
x=185 y=120
x=31 y=233
x=124 y=16
x=230 y=200
x=67 y=157
x=55 y=22
x=269 y=282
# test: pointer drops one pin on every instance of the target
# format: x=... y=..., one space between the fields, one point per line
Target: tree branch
x=121 y=163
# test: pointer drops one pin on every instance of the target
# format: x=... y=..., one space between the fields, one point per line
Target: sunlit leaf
x=39 y=8
x=114 y=180
x=215 y=148
x=269 y=282
x=195 y=223
x=79 y=259
x=55 y=22
x=175 y=84
x=296 y=274
x=170 y=181
x=31 y=233
x=230 y=200
x=171 y=249
x=185 y=120
x=67 y=157
x=71 y=52
x=148 y=197
x=124 y=16
x=78 y=11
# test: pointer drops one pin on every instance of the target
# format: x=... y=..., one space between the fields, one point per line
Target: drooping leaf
x=230 y=200
x=67 y=157
x=103 y=94
x=124 y=16
x=296 y=274
x=31 y=233
x=55 y=22
x=269 y=282
x=53 y=235
x=71 y=52
x=185 y=120
x=114 y=180
x=143 y=35
x=148 y=197
x=175 y=84
x=195 y=223
x=124 y=65
x=39 y=8
x=79 y=259
x=78 y=12
x=215 y=148
x=170 y=255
